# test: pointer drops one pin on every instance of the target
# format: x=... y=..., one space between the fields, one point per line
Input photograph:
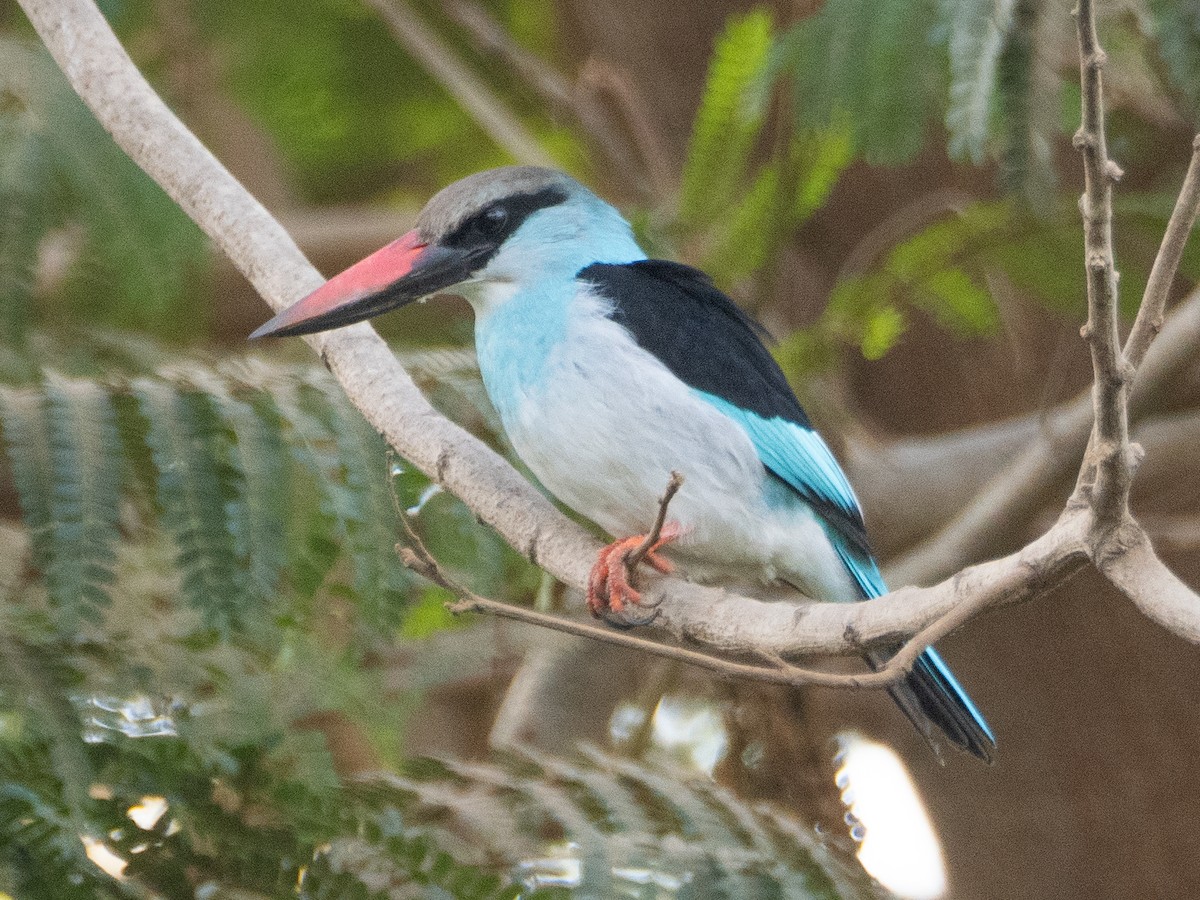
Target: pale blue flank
x=514 y=339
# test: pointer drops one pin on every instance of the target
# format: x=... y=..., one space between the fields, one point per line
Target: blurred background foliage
x=200 y=600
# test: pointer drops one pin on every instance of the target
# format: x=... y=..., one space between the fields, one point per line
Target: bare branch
x=1136 y=571
x=1011 y=498
x=1150 y=314
x=439 y=60
x=603 y=78
x=417 y=557
x=1048 y=460
x=1109 y=449
x=651 y=538
x=604 y=132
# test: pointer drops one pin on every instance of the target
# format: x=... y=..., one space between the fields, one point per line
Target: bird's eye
x=493 y=220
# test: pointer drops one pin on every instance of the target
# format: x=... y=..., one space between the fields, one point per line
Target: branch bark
x=439 y=60
x=1154 y=301
x=723 y=623
x=1108 y=452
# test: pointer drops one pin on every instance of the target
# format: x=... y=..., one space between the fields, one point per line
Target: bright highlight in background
x=898 y=844
x=692 y=729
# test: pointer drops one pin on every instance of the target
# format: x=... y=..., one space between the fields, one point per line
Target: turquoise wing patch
x=797 y=455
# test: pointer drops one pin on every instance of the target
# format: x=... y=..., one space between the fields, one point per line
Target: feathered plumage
x=610 y=371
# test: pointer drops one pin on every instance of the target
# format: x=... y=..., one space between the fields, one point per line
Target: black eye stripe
x=485 y=231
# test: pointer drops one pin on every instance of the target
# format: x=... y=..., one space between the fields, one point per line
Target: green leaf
x=939 y=270
x=958 y=303
x=728 y=121
x=881 y=328
x=869 y=65
x=429 y=615
x=822 y=158
x=976 y=32
x=84 y=503
x=196 y=483
x=764 y=218
x=752 y=233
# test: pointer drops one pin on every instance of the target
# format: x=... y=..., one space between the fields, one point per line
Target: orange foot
x=609 y=589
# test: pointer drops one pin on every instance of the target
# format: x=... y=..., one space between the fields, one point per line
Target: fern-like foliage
x=869 y=66
x=728 y=121
x=1176 y=32
x=1027 y=99
x=936 y=270
x=41 y=854
x=269 y=485
x=364 y=509
x=784 y=193
x=525 y=824
x=59 y=168
x=197 y=488
x=736 y=208
x=261 y=508
x=86 y=475
x=607 y=826
x=976 y=32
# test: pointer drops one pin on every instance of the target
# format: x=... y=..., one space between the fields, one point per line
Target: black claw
x=626 y=622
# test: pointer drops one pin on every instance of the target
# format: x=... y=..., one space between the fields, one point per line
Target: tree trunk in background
x=1094 y=707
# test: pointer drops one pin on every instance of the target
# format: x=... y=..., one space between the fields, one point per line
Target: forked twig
x=639 y=552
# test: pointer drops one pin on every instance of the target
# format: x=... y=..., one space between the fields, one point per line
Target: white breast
x=606 y=423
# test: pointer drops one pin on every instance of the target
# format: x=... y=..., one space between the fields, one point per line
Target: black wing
x=676 y=313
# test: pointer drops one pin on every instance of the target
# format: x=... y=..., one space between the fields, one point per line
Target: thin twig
x=1010 y=498
x=1154 y=300
x=490 y=112
x=605 y=132
x=601 y=77
x=639 y=552
x=1136 y=571
x=417 y=557
x=1109 y=450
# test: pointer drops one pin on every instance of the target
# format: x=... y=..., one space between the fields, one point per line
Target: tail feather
x=930 y=695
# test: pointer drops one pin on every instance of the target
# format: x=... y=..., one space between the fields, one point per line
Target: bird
x=610 y=371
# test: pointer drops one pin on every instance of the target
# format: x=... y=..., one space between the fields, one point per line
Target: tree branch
x=489 y=111
x=1109 y=447
x=603 y=130
x=724 y=623
x=1136 y=570
x=1149 y=319
x=777 y=670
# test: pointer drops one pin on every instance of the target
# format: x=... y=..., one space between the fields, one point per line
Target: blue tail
x=930 y=695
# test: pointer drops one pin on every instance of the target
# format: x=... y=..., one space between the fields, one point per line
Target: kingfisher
x=610 y=371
